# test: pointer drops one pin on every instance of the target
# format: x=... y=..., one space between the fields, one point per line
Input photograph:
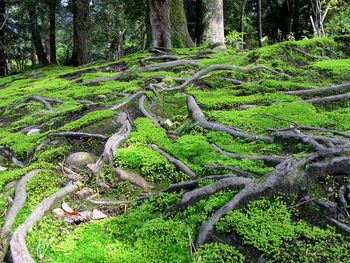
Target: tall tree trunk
x=169 y=24
x=120 y=44
x=3 y=63
x=36 y=37
x=81 y=24
x=241 y=21
x=259 y=24
x=52 y=30
x=33 y=53
x=212 y=22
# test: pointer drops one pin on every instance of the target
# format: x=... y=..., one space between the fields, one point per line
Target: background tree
x=81 y=26
x=212 y=22
x=3 y=20
x=52 y=6
x=169 y=24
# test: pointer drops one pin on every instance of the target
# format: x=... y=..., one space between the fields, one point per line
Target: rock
x=98 y=215
x=168 y=123
x=10 y=185
x=33 y=131
x=67 y=208
x=58 y=213
x=246 y=107
x=84 y=193
x=85 y=216
x=2 y=169
x=330 y=190
x=101 y=97
x=80 y=159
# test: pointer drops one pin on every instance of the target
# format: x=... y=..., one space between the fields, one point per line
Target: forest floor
x=183 y=155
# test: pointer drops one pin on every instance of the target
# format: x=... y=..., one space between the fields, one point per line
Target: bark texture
x=81 y=24
x=212 y=22
x=169 y=24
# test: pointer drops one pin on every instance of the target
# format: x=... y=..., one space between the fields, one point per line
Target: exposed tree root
x=339 y=97
x=307 y=128
x=45 y=101
x=160 y=58
x=133 y=178
x=17 y=205
x=178 y=164
x=217 y=67
x=160 y=78
x=231 y=169
x=128 y=100
x=148 y=68
x=236 y=81
x=145 y=113
x=78 y=135
x=199 y=118
x=319 y=90
x=267 y=159
x=19 y=250
x=11 y=157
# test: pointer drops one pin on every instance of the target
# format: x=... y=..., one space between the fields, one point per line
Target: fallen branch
x=19 y=250
x=199 y=118
x=178 y=164
x=267 y=159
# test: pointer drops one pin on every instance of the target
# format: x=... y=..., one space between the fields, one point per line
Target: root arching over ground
x=202 y=149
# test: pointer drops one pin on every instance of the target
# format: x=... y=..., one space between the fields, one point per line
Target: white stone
x=58 y=213
x=33 y=131
x=98 y=215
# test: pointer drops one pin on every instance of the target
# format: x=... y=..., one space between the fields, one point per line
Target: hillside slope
x=192 y=155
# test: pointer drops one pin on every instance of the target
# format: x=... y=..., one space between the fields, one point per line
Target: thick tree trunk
x=52 y=30
x=120 y=44
x=36 y=37
x=81 y=24
x=212 y=22
x=169 y=24
x=33 y=53
x=244 y=3
x=3 y=64
x=259 y=24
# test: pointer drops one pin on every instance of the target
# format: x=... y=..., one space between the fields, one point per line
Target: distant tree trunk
x=241 y=21
x=52 y=30
x=259 y=24
x=33 y=54
x=120 y=44
x=81 y=25
x=169 y=24
x=3 y=64
x=36 y=37
x=212 y=22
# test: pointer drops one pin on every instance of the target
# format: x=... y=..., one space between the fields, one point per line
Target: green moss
x=335 y=69
x=217 y=252
x=268 y=227
x=88 y=119
x=53 y=155
x=3 y=209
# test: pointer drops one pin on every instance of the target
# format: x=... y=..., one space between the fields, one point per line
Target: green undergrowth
x=268 y=227
x=192 y=149
x=141 y=235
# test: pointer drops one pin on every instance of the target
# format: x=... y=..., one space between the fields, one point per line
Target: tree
x=35 y=32
x=169 y=24
x=212 y=22
x=52 y=5
x=3 y=64
x=81 y=26
x=259 y=24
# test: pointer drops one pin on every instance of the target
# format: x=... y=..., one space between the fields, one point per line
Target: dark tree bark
x=52 y=30
x=259 y=24
x=81 y=24
x=33 y=53
x=212 y=22
x=242 y=15
x=169 y=24
x=3 y=64
x=36 y=37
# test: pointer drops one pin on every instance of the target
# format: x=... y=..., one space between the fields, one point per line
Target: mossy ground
x=146 y=233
